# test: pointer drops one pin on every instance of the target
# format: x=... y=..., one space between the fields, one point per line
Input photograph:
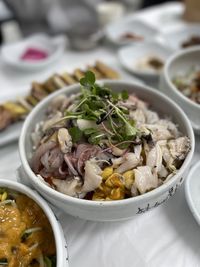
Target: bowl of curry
x=30 y=235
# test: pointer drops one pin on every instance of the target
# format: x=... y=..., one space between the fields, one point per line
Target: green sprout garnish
x=99 y=104
x=50 y=261
x=3 y=261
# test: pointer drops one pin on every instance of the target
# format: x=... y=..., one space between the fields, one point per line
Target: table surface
x=166 y=236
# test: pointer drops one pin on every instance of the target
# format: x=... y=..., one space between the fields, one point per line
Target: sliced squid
x=64 y=140
x=68 y=187
x=179 y=147
x=144 y=179
x=53 y=121
x=170 y=126
x=163 y=172
x=129 y=161
x=151 y=116
x=154 y=158
x=92 y=177
x=138 y=115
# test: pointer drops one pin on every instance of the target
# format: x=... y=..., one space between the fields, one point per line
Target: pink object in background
x=34 y=54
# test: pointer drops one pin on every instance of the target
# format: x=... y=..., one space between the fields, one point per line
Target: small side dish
x=103 y=145
x=34 y=54
x=192 y=41
x=26 y=236
x=189 y=84
x=130 y=36
x=150 y=63
x=129 y=30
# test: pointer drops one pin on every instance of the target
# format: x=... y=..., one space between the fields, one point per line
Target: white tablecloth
x=164 y=237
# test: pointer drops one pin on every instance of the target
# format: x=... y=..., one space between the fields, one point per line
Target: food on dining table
x=26 y=236
x=150 y=63
x=130 y=36
x=191 y=41
x=189 y=84
x=13 y=111
x=102 y=145
x=34 y=54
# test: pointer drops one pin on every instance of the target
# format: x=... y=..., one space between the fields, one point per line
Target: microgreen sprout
x=101 y=105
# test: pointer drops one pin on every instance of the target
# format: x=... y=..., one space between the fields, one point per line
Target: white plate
x=114 y=31
x=174 y=37
x=55 y=47
x=192 y=191
x=130 y=56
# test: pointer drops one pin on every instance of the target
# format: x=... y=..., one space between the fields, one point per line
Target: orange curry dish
x=26 y=236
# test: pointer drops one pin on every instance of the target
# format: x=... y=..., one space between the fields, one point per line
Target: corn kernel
x=100 y=192
x=4 y=196
x=108 y=199
x=97 y=197
x=107 y=172
x=117 y=194
x=114 y=181
x=105 y=190
x=129 y=177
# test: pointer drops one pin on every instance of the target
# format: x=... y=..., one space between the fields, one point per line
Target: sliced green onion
x=8 y=201
x=41 y=261
x=33 y=246
x=47 y=262
x=2 y=190
x=32 y=230
x=3 y=261
x=28 y=232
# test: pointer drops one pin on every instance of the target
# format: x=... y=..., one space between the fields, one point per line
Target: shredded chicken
x=144 y=179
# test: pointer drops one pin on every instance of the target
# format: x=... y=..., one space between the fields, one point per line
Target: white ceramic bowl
x=178 y=63
x=192 y=191
x=130 y=56
x=55 y=47
x=115 y=30
x=61 y=247
x=175 y=36
x=108 y=210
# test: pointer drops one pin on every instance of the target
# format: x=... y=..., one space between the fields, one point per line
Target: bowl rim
x=188 y=193
x=13 y=185
x=167 y=66
x=76 y=201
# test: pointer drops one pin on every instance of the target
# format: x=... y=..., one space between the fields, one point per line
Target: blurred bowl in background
x=182 y=62
x=177 y=37
x=145 y=60
x=129 y=31
x=51 y=47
